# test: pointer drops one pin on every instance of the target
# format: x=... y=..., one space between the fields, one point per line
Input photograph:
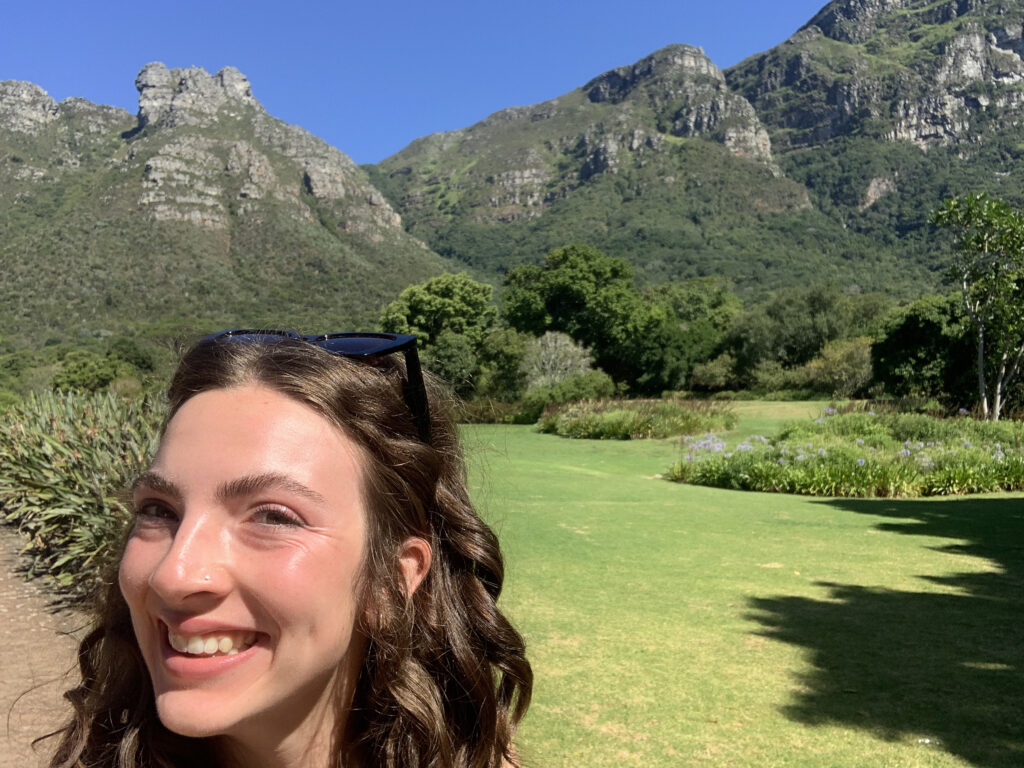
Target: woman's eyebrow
x=253 y=484
x=156 y=482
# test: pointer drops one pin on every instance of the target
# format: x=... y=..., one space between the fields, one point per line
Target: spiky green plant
x=65 y=461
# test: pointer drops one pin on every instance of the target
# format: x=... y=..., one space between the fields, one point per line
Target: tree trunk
x=982 y=391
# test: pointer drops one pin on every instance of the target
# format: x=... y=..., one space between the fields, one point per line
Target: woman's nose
x=196 y=561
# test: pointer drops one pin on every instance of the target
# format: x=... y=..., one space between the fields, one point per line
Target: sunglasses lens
x=357 y=345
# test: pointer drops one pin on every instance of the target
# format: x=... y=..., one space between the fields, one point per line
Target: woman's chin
x=195 y=722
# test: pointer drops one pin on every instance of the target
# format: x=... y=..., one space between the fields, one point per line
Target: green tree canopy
x=794 y=325
x=988 y=267
x=592 y=297
x=455 y=321
x=926 y=351
x=452 y=302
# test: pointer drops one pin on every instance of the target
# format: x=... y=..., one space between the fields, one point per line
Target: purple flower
x=861 y=462
x=905 y=452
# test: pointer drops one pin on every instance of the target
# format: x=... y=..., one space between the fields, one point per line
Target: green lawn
x=675 y=625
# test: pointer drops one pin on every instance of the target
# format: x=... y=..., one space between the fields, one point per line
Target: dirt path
x=36 y=653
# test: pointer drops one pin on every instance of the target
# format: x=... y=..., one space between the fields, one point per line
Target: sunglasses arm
x=416 y=393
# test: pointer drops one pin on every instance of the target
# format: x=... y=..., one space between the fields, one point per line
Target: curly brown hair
x=445 y=680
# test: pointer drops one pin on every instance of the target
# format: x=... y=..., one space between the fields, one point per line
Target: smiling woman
x=306 y=582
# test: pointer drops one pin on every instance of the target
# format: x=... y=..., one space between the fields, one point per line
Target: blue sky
x=371 y=77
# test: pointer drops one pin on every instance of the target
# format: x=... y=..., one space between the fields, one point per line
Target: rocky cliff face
x=518 y=162
x=202 y=175
x=25 y=107
x=903 y=70
x=202 y=178
x=689 y=97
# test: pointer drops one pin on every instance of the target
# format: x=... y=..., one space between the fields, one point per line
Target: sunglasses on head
x=354 y=344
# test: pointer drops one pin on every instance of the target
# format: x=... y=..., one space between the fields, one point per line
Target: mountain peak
x=852 y=21
x=172 y=97
x=25 y=107
x=670 y=62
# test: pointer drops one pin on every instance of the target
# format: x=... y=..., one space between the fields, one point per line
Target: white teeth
x=211 y=645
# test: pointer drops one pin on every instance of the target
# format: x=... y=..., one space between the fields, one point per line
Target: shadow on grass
x=924 y=665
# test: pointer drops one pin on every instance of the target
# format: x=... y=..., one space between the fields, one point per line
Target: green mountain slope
x=819 y=159
x=202 y=211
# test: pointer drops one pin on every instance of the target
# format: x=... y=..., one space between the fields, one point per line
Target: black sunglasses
x=355 y=344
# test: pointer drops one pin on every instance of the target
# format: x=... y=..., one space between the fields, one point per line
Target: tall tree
x=452 y=315
x=988 y=267
x=926 y=350
x=592 y=297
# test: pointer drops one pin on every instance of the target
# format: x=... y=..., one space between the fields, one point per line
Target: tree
x=591 y=297
x=988 y=267
x=567 y=292
x=795 y=324
x=451 y=302
x=705 y=308
x=552 y=358
x=843 y=368
x=925 y=350
x=453 y=318
x=501 y=373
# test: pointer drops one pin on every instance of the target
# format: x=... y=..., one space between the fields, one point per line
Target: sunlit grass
x=676 y=625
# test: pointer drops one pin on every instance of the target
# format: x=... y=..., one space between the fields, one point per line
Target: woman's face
x=241 y=571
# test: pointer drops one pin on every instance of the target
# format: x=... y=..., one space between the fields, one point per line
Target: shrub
x=843 y=368
x=592 y=385
x=553 y=358
x=64 y=458
x=87 y=371
x=714 y=375
x=864 y=454
x=634 y=419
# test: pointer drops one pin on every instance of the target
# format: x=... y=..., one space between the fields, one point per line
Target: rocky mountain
x=897 y=70
x=202 y=210
x=816 y=161
x=819 y=159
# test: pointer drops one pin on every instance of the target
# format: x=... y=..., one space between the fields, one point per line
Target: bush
x=87 y=371
x=64 y=458
x=714 y=375
x=553 y=358
x=634 y=419
x=864 y=454
x=843 y=369
x=592 y=385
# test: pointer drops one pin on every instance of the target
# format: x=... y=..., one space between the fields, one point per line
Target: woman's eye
x=154 y=511
x=277 y=516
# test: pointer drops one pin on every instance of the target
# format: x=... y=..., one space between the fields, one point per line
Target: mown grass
x=677 y=625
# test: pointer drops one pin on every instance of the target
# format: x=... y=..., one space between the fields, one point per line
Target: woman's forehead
x=253 y=429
